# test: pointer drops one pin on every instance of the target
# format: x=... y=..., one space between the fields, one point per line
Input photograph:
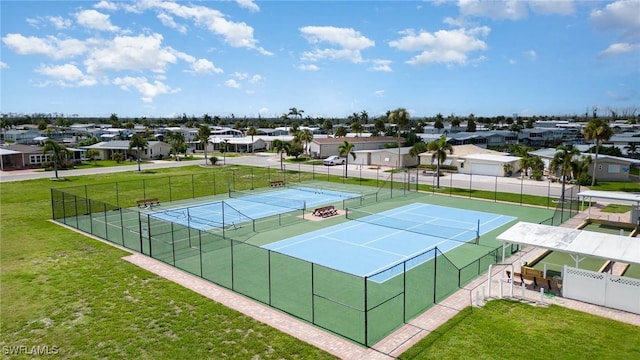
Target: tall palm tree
x=281 y=147
x=345 y=149
x=440 y=148
x=327 y=126
x=562 y=161
x=59 y=152
x=597 y=129
x=252 y=131
x=400 y=117
x=140 y=143
x=204 y=131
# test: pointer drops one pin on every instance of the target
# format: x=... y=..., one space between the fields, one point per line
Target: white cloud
x=443 y=46
x=135 y=53
x=169 y=22
x=106 y=5
x=619 y=48
x=514 y=9
x=204 y=66
x=50 y=46
x=232 y=84
x=67 y=75
x=240 y=76
x=256 y=79
x=3 y=65
x=236 y=34
x=507 y=9
x=549 y=7
x=378 y=93
x=345 y=43
x=147 y=89
x=59 y=22
x=248 y=4
x=621 y=16
x=263 y=110
x=530 y=54
x=381 y=65
x=93 y=19
x=308 y=67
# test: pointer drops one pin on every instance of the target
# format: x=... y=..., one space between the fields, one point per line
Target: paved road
x=489 y=183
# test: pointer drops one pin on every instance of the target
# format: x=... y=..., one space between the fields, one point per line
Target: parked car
x=333 y=160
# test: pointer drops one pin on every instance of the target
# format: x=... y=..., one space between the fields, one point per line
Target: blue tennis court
x=247 y=206
x=363 y=247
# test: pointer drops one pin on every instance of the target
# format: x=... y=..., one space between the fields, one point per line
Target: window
x=613 y=169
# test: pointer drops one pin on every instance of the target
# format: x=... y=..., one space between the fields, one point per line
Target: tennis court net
x=325 y=191
x=467 y=235
x=269 y=200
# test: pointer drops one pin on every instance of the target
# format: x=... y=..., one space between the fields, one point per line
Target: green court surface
x=363 y=310
x=607 y=229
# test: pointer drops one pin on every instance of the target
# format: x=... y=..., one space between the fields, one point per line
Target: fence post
x=521 y=188
x=549 y=194
x=495 y=190
x=366 y=315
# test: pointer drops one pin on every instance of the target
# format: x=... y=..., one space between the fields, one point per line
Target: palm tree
x=176 y=139
x=440 y=148
x=204 y=131
x=252 y=131
x=59 y=152
x=417 y=149
x=296 y=112
x=281 y=147
x=562 y=161
x=580 y=166
x=597 y=129
x=305 y=136
x=341 y=131
x=357 y=128
x=327 y=126
x=400 y=117
x=345 y=149
x=92 y=154
x=632 y=149
x=140 y=143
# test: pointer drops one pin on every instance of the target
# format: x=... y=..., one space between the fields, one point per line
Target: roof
x=491 y=157
x=588 y=243
x=8 y=152
x=355 y=140
x=120 y=144
x=469 y=149
x=613 y=195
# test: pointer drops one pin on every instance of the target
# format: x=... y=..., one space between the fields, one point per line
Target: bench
x=148 y=202
x=325 y=211
x=276 y=183
x=537 y=276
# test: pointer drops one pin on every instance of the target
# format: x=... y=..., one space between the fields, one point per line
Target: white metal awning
x=581 y=242
x=611 y=195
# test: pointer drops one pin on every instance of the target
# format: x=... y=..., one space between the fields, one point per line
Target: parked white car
x=333 y=160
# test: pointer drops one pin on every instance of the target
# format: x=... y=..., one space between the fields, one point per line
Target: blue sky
x=160 y=58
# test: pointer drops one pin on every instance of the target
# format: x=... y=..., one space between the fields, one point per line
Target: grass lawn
x=510 y=330
x=63 y=289
x=616 y=208
x=616 y=186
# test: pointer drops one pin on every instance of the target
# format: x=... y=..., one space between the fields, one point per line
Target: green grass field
x=510 y=330
x=62 y=289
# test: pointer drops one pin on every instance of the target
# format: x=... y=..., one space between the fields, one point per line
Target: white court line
x=364 y=246
x=319 y=236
